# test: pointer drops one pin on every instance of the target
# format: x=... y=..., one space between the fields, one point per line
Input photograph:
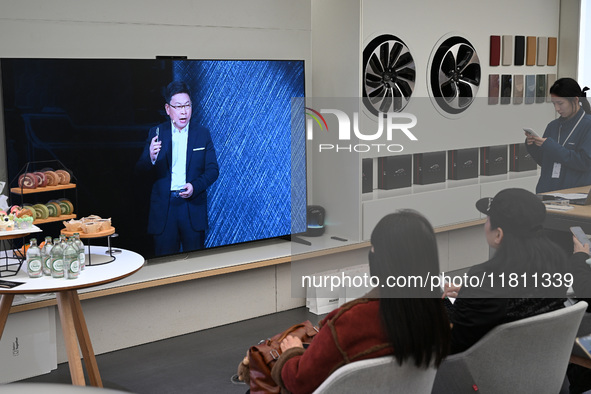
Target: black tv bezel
x=171 y=257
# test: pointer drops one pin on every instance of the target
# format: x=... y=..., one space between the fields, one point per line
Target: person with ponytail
x=564 y=151
x=410 y=324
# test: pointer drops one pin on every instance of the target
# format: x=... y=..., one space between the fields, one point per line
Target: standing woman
x=564 y=152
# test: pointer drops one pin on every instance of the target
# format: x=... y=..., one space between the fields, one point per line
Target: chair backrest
x=584 y=330
x=379 y=375
x=525 y=356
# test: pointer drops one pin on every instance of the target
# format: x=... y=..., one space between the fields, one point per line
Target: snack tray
x=14 y=233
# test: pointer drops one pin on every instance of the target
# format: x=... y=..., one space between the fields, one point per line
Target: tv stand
x=295 y=238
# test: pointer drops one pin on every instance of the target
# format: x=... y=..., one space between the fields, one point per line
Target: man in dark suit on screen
x=180 y=158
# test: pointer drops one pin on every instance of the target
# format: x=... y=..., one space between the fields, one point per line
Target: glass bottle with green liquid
x=57 y=259
x=34 y=264
x=71 y=263
x=46 y=256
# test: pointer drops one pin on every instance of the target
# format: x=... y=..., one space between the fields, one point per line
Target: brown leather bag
x=263 y=356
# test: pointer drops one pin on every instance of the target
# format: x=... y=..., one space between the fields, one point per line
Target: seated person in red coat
x=385 y=322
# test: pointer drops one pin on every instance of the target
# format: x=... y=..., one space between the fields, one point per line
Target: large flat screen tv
x=94 y=116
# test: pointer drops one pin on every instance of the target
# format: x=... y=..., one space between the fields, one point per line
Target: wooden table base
x=5 y=304
x=75 y=334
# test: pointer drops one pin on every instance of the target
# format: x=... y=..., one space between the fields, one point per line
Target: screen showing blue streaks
x=246 y=105
x=94 y=116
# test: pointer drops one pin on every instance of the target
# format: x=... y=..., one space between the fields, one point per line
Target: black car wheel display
x=454 y=75
x=388 y=74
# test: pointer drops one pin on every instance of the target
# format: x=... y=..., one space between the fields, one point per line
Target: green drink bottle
x=34 y=263
x=57 y=259
x=71 y=263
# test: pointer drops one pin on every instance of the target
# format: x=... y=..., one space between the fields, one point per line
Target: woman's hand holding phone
x=533 y=137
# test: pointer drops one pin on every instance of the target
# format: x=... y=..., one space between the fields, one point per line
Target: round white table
x=70 y=311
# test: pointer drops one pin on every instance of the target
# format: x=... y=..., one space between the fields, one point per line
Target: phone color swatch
x=507 y=50
x=530 y=54
x=518 y=88
x=530 y=89
x=493 y=89
x=495 y=50
x=519 y=50
x=542 y=51
x=552 y=50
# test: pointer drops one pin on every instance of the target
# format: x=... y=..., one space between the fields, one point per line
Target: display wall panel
x=441 y=207
x=467 y=247
x=481 y=124
x=336 y=178
x=478 y=126
x=492 y=188
x=256 y=14
x=198 y=304
x=120 y=41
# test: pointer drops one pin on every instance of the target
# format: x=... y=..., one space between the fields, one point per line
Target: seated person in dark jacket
x=581 y=271
x=580 y=377
x=512 y=282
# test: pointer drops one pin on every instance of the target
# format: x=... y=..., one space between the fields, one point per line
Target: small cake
x=91 y=227
x=73 y=225
x=105 y=224
x=24 y=222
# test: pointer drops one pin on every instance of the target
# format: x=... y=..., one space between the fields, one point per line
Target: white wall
x=143 y=29
x=568 y=42
x=584 y=67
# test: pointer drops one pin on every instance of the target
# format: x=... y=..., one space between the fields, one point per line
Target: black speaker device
x=520 y=159
x=429 y=168
x=493 y=160
x=315 y=215
x=462 y=164
x=394 y=172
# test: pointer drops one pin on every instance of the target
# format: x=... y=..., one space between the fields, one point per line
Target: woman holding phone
x=564 y=151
